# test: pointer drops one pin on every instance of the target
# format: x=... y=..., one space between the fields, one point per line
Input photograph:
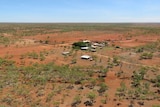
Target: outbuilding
x=85 y=57
x=86 y=41
x=84 y=48
x=93 y=50
x=65 y=53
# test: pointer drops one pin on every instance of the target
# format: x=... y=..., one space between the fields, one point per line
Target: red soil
x=69 y=37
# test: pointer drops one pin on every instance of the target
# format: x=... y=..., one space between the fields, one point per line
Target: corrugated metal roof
x=85 y=56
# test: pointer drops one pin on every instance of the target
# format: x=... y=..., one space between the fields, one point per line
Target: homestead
x=76 y=76
x=87 y=44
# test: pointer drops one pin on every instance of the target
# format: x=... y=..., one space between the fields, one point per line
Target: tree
x=78 y=45
x=137 y=77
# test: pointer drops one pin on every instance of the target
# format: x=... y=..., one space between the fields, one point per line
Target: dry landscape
x=41 y=65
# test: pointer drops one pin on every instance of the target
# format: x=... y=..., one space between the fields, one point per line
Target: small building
x=86 y=41
x=94 y=47
x=93 y=50
x=102 y=45
x=95 y=44
x=85 y=57
x=99 y=44
x=84 y=48
x=65 y=53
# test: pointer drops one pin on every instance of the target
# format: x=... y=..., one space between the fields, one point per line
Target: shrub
x=139 y=50
x=4 y=40
x=136 y=79
x=77 y=98
x=41 y=57
x=158 y=81
x=73 y=61
x=103 y=87
x=156 y=106
x=33 y=55
x=46 y=42
x=116 y=61
x=6 y=62
x=50 y=96
x=146 y=55
x=103 y=101
x=91 y=96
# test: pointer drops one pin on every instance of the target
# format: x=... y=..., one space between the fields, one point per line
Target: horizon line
x=87 y=22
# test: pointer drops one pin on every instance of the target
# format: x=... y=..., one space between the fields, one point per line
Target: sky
x=80 y=11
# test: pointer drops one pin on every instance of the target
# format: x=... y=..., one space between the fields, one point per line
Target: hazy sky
x=79 y=10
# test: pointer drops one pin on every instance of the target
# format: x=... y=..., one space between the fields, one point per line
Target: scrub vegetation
x=41 y=65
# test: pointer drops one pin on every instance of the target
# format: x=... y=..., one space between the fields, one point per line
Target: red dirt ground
x=67 y=38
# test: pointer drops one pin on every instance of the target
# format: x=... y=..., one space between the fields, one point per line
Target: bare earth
x=62 y=41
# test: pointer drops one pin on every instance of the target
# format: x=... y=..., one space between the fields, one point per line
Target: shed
x=86 y=41
x=93 y=50
x=85 y=57
x=84 y=48
x=94 y=47
x=65 y=53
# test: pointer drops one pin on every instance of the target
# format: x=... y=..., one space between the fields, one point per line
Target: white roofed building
x=65 y=53
x=86 y=41
x=84 y=48
x=85 y=57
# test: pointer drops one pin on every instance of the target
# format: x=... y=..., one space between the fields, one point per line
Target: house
x=85 y=57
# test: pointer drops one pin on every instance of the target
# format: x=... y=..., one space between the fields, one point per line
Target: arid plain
x=41 y=65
